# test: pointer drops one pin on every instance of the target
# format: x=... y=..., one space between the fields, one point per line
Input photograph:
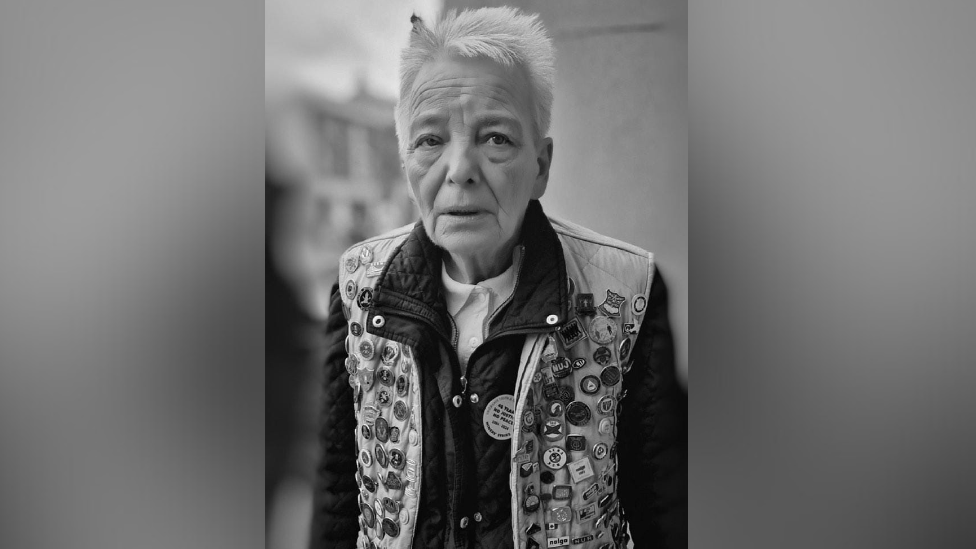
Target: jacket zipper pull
x=464 y=385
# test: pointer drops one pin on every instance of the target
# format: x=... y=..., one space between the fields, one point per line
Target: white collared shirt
x=472 y=304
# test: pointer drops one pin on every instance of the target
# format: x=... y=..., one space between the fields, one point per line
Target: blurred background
x=333 y=174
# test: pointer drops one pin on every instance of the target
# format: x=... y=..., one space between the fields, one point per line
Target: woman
x=479 y=360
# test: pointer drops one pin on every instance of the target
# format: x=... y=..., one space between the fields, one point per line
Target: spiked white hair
x=504 y=35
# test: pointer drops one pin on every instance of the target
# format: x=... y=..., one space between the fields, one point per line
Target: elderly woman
x=495 y=377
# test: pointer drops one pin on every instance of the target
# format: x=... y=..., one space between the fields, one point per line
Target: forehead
x=472 y=84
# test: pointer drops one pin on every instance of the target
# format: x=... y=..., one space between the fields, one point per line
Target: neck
x=472 y=269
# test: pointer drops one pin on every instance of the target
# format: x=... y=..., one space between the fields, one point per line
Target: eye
x=428 y=141
x=498 y=139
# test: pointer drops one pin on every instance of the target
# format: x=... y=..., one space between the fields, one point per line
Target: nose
x=462 y=165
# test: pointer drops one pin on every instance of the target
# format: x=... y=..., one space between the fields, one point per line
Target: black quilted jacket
x=471 y=469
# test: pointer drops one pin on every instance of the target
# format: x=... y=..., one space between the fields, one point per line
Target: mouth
x=462 y=212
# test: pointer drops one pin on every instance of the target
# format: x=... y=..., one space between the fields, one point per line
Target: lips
x=462 y=212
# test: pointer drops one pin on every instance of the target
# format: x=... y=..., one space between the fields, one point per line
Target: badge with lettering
x=602 y=330
x=586 y=513
x=610 y=375
x=575 y=443
x=350 y=289
x=581 y=469
x=579 y=363
x=391 y=505
x=365 y=298
x=562 y=492
x=356 y=329
x=554 y=457
x=600 y=450
x=583 y=539
x=572 y=333
x=557 y=542
x=390 y=353
x=611 y=306
x=552 y=429
x=578 y=413
x=631 y=328
x=625 y=349
x=386 y=376
x=590 y=492
x=602 y=356
x=590 y=385
x=561 y=367
x=375 y=269
x=584 y=305
x=352 y=263
x=499 y=417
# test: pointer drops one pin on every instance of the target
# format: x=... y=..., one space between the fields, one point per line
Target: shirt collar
x=501 y=287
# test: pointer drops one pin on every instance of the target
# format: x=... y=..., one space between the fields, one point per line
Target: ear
x=544 y=161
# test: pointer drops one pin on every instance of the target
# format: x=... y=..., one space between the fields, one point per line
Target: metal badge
x=366 y=457
x=587 y=512
x=625 y=349
x=413 y=438
x=590 y=385
x=562 y=492
x=386 y=376
x=533 y=529
x=391 y=505
x=381 y=458
x=575 y=443
x=590 y=492
x=581 y=470
x=611 y=306
x=368 y=515
x=610 y=375
x=561 y=515
x=370 y=413
x=401 y=385
x=556 y=408
x=365 y=298
x=352 y=364
x=582 y=539
x=567 y=394
x=553 y=429
x=561 y=367
x=525 y=469
x=631 y=328
x=602 y=356
x=390 y=353
x=352 y=263
x=639 y=303
x=366 y=378
x=606 y=405
x=572 y=333
x=531 y=503
x=578 y=363
x=366 y=254
x=602 y=330
x=549 y=350
x=397 y=459
x=537 y=377
x=554 y=457
x=606 y=426
x=356 y=329
x=350 y=289
x=366 y=349
x=528 y=421
x=600 y=450
x=584 y=305
x=391 y=528
x=394 y=434
x=550 y=391
x=578 y=413
x=393 y=481
x=382 y=429
x=375 y=269
x=547 y=477
x=411 y=471
x=561 y=541
x=366 y=431
x=400 y=410
x=384 y=398
x=530 y=543
x=369 y=483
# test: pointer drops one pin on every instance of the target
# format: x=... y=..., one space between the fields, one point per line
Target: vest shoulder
x=580 y=238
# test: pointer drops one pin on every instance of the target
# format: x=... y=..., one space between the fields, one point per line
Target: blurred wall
x=620 y=155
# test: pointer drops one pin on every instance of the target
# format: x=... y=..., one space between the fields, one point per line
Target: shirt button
x=464 y=522
x=473 y=342
x=474 y=400
x=477 y=517
x=457 y=401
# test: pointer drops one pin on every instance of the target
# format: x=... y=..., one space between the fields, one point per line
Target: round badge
x=600 y=450
x=369 y=484
x=366 y=431
x=368 y=514
x=400 y=410
x=556 y=408
x=404 y=516
x=531 y=503
x=537 y=377
x=625 y=349
x=391 y=506
x=397 y=459
x=567 y=394
x=366 y=458
x=365 y=255
x=499 y=417
x=394 y=434
x=366 y=349
x=384 y=398
x=401 y=385
x=590 y=385
x=606 y=405
x=547 y=477
x=382 y=429
x=381 y=458
x=578 y=413
x=528 y=421
x=414 y=438
x=352 y=263
x=407 y=352
x=390 y=528
x=639 y=303
x=405 y=363
x=386 y=376
x=356 y=329
x=390 y=353
x=378 y=507
x=352 y=364
x=553 y=430
x=365 y=298
x=606 y=425
x=601 y=329
x=610 y=375
x=350 y=289
x=561 y=367
x=554 y=457
x=602 y=356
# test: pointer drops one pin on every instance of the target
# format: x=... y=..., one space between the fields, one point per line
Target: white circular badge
x=499 y=418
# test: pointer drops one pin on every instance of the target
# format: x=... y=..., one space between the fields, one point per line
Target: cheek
x=421 y=181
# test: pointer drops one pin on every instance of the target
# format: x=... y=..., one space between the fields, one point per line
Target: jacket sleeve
x=335 y=509
x=653 y=435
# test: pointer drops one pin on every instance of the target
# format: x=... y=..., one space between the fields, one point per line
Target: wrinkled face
x=471 y=157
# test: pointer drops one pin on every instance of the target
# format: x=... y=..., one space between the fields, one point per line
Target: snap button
x=477 y=517
x=464 y=522
x=457 y=401
x=552 y=319
x=473 y=398
x=379 y=321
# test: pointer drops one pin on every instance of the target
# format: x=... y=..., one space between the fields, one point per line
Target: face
x=472 y=158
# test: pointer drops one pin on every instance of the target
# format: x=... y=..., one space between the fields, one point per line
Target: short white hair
x=504 y=35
